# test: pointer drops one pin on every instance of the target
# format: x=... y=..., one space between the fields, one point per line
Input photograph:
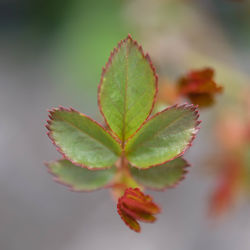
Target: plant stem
x=124 y=164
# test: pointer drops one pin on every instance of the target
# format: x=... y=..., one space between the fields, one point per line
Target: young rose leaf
x=163 y=176
x=127 y=89
x=129 y=221
x=80 y=179
x=200 y=87
x=164 y=137
x=135 y=205
x=82 y=140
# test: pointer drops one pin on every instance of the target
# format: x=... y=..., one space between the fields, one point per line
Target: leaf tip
x=129 y=36
x=109 y=64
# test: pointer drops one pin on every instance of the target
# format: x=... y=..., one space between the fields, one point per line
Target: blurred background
x=52 y=53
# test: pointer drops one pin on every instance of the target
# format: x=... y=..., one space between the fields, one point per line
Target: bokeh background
x=52 y=53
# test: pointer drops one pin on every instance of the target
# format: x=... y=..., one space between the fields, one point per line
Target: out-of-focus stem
x=124 y=164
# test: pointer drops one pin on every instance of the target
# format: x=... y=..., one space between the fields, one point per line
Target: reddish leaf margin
x=138 y=204
x=194 y=134
x=184 y=174
x=108 y=64
x=70 y=187
x=58 y=148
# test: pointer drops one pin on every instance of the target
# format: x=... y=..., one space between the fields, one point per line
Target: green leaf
x=78 y=178
x=81 y=140
x=127 y=89
x=163 y=176
x=164 y=137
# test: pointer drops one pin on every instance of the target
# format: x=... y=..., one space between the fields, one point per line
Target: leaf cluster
x=151 y=144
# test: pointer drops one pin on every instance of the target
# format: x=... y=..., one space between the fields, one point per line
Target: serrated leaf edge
x=120 y=211
x=58 y=148
x=108 y=64
x=174 y=185
x=122 y=217
x=71 y=188
x=186 y=106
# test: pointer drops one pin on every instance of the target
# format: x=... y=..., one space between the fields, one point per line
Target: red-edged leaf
x=82 y=140
x=138 y=214
x=162 y=176
x=134 y=205
x=163 y=137
x=80 y=179
x=129 y=221
x=127 y=89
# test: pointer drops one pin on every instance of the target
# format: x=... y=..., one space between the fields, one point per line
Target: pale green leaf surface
x=163 y=137
x=127 y=89
x=162 y=176
x=82 y=140
x=78 y=178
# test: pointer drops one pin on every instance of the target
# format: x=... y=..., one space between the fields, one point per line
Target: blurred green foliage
x=89 y=33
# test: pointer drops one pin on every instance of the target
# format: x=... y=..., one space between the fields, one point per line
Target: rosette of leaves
x=132 y=149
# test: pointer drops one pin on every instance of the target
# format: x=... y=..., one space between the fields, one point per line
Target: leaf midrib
x=125 y=98
x=72 y=124
x=169 y=125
